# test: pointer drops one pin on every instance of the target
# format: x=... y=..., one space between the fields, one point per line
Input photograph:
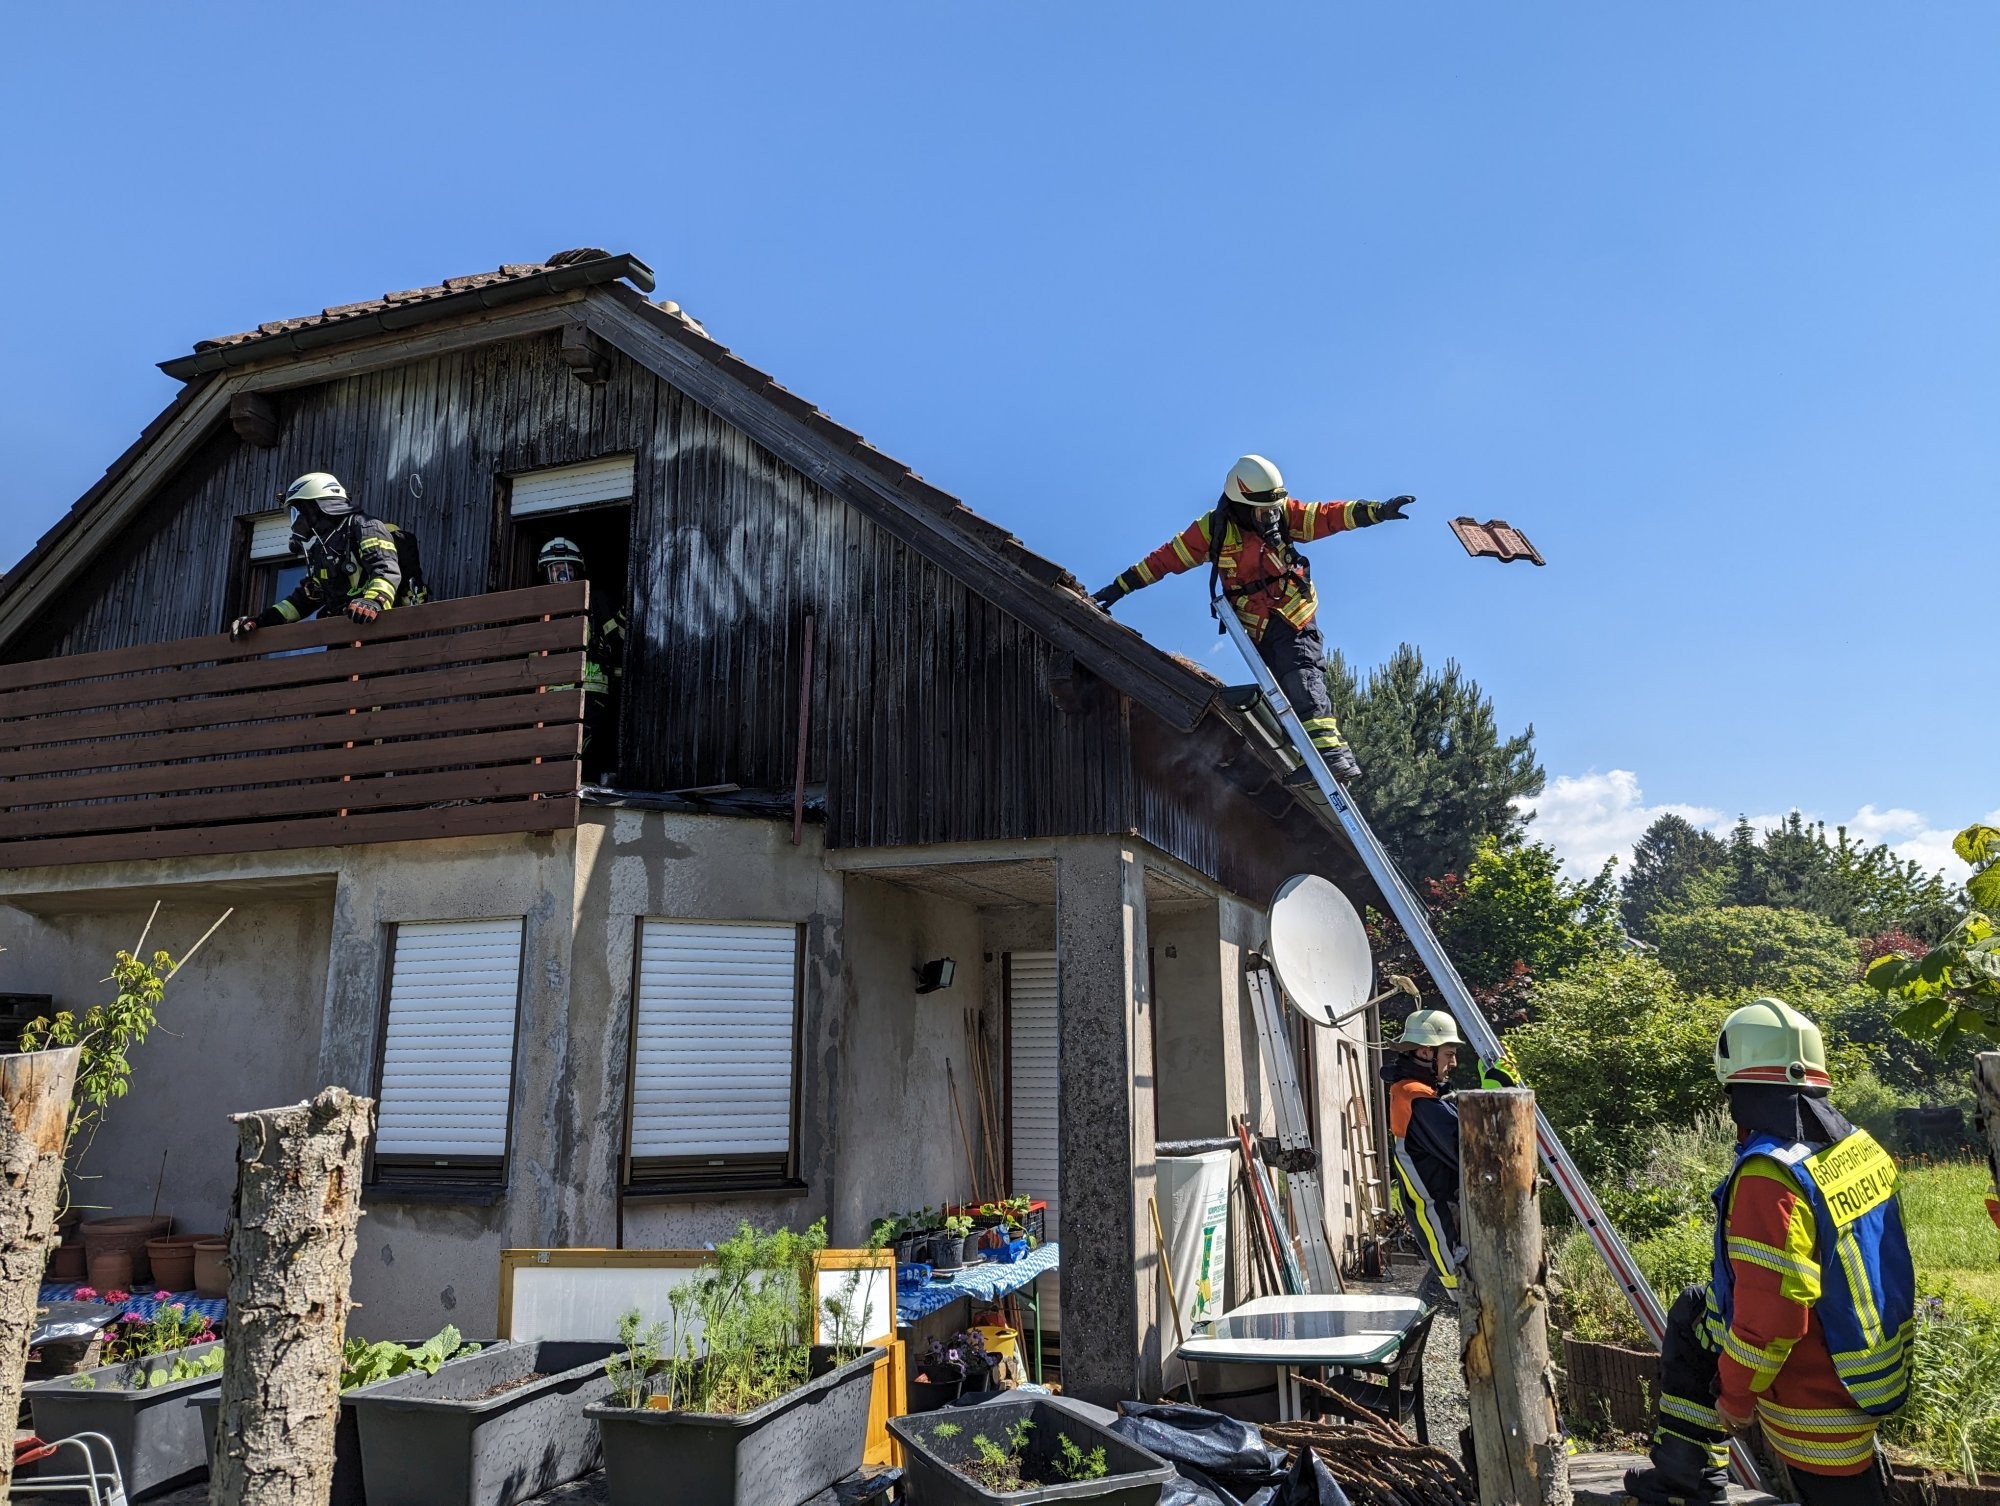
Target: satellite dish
x=1320 y=949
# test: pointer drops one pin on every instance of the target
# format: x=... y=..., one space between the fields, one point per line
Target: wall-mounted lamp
x=936 y=974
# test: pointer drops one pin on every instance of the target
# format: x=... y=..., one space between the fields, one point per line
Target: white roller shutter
x=563 y=487
x=271 y=537
x=712 y=1048
x=1033 y=1123
x=448 y=1053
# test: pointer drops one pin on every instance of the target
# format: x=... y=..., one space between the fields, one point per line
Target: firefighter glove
x=361 y=609
x=1106 y=596
x=1390 y=511
x=242 y=628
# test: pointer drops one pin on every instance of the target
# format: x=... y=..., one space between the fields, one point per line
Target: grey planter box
x=435 y=1440
x=779 y=1454
x=156 y=1433
x=347 y=1484
x=1136 y=1479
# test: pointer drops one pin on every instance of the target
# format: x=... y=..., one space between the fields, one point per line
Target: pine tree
x=1670 y=858
x=1439 y=777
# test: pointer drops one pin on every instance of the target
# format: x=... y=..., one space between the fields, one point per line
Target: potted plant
x=948 y=1242
x=728 y=1397
x=1026 y=1450
x=361 y=1364
x=143 y=1398
x=496 y=1427
x=951 y=1368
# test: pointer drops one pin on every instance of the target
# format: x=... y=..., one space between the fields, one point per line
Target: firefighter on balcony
x=355 y=564
x=1805 y=1325
x=1250 y=544
x=603 y=657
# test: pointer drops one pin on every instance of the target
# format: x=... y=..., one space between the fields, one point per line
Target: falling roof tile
x=1496 y=539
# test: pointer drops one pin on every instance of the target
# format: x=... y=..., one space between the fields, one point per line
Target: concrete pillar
x=1193 y=1097
x=1111 y=1340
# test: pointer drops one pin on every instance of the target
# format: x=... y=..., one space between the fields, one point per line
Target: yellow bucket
x=1001 y=1343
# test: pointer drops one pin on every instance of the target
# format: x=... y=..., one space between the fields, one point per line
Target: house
x=862 y=729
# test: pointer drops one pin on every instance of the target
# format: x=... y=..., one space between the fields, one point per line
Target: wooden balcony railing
x=434 y=721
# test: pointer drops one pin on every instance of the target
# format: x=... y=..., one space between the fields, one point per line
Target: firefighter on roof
x=1805 y=1325
x=355 y=564
x=1250 y=544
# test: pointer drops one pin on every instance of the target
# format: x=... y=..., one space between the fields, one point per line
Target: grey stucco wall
x=238 y=1030
x=1192 y=1067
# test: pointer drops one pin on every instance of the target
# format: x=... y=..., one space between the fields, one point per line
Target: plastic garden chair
x=1398 y=1393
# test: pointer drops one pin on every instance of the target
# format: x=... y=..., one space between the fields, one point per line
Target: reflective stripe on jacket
x=1811 y=1297
x=1257 y=582
x=1423 y=1130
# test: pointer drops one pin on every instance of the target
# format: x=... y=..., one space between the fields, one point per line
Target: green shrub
x=1952 y=1419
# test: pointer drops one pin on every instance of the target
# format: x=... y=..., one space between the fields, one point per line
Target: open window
x=271 y=567
x=590 y=504
x=446 y=1079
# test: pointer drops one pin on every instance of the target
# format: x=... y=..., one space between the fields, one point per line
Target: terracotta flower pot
x=172 y=1260
x=211 y=1272
x=66 y=1262
x=111 y=1271
x=103 y=1236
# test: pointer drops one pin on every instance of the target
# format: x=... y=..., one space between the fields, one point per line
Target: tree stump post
x=291 y=1250
x=1503 y=1300
x=35 y=1089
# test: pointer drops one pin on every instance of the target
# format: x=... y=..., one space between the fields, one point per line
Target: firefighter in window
x=603 y=659
x=355 y=564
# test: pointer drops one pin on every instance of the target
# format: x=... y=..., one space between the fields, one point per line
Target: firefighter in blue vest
x=561 y=561
x=1805 y=1324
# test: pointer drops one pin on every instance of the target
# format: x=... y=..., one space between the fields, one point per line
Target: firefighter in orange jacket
x=1806 y=1323
x=1250 y=543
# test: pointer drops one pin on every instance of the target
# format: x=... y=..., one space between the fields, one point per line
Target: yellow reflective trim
x=1859 y=1289
x=1420 y=1209
x=1688 y=1411
x=1814 y=1419
x=1853 y=1175
x=287 y=611
x=1185 y=554
x=1146 y=576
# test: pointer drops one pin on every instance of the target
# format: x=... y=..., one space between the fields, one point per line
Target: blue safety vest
x=1867 y=1300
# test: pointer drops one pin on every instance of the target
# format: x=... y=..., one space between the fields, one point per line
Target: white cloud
x=1587 y=818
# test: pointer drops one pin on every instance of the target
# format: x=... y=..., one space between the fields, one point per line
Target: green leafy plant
x=1954 y=988
x=1072 y=1463
x=107 y=1034
x=755 y=1301
x=363 y=1363
x=946 y=1430
x=958 y=1225
x=184 y=1367
x=631 y=1371
x=172 y=1326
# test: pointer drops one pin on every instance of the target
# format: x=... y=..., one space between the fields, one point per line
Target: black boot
x=1683 y=1474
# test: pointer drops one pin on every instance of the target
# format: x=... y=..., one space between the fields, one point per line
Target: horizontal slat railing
x=434 y=721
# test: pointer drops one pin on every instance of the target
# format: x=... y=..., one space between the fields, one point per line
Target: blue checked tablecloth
x=145 y=1304
x=987 y=1282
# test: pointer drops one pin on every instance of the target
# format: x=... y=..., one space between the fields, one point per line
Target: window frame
x=255 y=581
x=482 y=1177
x=679 y=1177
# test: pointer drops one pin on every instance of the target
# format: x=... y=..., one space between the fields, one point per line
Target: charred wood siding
x=936 y=716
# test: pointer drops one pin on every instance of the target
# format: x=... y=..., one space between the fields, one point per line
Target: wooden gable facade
x=959 y=688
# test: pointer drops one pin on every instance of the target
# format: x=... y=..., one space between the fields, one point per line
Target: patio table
x=1292 y=1333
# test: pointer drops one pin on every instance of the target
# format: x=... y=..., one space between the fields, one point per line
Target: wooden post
x=1503 y=1305
x=291 y=1249
x=35 y=1089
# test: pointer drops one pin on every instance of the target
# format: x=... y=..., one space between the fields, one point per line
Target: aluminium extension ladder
x=1403 y=901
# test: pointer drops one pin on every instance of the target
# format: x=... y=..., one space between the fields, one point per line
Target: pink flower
x=161 y=1296
x=117 y=1296
x=86 y=1294
x=131 y=1318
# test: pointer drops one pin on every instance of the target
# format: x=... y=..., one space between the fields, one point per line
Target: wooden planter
x=1610 y=1384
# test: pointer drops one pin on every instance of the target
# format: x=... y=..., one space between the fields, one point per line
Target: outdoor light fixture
x=935 y=974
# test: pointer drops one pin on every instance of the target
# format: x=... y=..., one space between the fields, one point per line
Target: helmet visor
x=560 y=572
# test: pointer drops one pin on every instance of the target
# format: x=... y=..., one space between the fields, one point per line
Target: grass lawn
x=1953 y=1243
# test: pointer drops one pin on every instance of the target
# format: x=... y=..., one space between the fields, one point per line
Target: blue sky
x=1702 y=297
